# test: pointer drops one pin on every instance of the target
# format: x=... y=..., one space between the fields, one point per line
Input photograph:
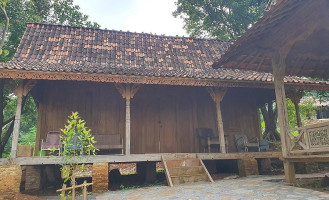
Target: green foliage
x=306 y=109
x=222 y=19
x=20 y=12
x=28 y=129
x=77 y=141
x=75 y=128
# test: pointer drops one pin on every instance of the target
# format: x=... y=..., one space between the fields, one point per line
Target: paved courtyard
x=249 y=188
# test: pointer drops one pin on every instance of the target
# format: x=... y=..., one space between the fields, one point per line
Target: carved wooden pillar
x=295 y=96
x=20 y=91
x=127 y=91
x=279 y=65
x=217 y=94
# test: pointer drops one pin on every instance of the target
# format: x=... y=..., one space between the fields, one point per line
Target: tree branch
x=5 y=138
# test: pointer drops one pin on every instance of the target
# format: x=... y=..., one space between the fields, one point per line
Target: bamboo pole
x=73 y=188
x=19 y=93
x=84 y=191
x=63 y=192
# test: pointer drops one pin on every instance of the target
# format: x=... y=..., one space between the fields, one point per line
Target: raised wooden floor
x=49 y=160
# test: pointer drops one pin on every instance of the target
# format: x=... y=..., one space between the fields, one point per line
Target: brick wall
x=10 y=180
x=100 y=177
x=32 y=178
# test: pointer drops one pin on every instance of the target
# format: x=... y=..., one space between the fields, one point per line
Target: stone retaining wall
x=10 y=181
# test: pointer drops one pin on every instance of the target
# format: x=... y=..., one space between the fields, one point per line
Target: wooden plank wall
x=100 y=105
x=163 y=118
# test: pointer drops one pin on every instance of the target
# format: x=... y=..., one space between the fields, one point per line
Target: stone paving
x=249 y=188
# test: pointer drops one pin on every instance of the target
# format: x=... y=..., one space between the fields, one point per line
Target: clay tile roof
x=57 y=48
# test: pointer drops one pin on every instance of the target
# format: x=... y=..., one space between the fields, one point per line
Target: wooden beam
x=127 y=92
x=151 y=80
x=52 y=160
x=217 y=94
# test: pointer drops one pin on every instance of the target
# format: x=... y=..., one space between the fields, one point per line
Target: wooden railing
x=83 y=186
x=309 y=139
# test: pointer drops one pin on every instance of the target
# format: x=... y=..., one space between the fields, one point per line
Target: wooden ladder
x=185 y=170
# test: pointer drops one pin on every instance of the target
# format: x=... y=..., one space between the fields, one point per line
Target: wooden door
x=167 y=116
x=145 y=121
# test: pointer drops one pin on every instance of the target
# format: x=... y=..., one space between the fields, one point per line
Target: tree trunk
x=270 y=116
x=6 y=135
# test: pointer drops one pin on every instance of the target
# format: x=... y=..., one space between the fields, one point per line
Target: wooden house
x=154 y=91
x=166 y=81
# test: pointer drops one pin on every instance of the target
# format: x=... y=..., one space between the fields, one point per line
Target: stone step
x=183 y=162
x=188 y=178
x=191 y=170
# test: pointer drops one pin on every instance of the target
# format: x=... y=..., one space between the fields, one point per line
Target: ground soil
x=312 y=183
x=25 y=197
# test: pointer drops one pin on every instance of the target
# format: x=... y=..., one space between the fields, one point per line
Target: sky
x=148 y=16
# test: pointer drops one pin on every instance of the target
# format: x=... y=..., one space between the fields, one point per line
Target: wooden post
x=279 y=65
x=127 y=91
x=20 y=91
x=217 y=94
x=19 y=94
x=289 y=172
x=127 y=124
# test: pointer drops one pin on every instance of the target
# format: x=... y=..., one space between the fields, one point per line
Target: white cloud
x=134 y=15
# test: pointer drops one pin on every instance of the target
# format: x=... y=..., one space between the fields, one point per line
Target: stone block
x=247 y=167
x=24 y=151
x=100 y=177
x=10 y=179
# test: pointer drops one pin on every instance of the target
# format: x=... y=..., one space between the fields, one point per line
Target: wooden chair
x=75 y=144
x=243 y=144
x=207 y=138
x=109 y=142
x=53 y=140
x=264 y=145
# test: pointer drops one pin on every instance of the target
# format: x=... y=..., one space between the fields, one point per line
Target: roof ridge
x=120 y=31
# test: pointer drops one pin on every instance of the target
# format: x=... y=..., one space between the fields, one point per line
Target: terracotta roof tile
x=56 y=48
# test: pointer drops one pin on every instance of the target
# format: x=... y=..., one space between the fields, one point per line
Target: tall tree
x=222 y=19
x=14 y=14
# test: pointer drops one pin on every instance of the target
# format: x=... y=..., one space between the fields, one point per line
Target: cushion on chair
x=53 y=140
